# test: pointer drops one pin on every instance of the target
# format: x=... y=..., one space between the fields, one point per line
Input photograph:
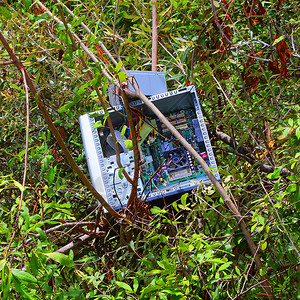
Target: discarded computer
x=166 y=168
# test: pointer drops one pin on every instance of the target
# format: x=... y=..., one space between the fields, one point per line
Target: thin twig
x=56 y=133
x=25 y=161
x=5 y=63
x=230 y=103
x=228 y=40
x=154 y=36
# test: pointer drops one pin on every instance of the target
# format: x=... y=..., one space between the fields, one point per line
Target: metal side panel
x=91 y=155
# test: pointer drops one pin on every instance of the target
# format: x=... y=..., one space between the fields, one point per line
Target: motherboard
x=164 y=161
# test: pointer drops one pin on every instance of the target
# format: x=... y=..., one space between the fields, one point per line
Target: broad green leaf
x=19 y=185
x=297 y=132
x=98 y=124
x=22 y=289
x=122 y=76
x=132 y=245
x=128 y=144
x=4 y=12
x=60 y=27
x=34 y=264
x=81 y=19
x=118 y=66
x=224 y=266
x=2 y=264
x=55 y=45
x=95 y=115
x=51 y=175
x=7 y=286
x=120 y=173
x=125 y=286
x=27 y=4
x=65 y=107
x=60 y=258
x=183 y=199
x=278 y=40
x=135 y=285
x=291 y=188
x=156 y=210
x=123 y=131
x=23 y=276
x=14 y=86
x=264 y=246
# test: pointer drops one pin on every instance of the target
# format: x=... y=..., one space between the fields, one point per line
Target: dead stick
x=56 y=133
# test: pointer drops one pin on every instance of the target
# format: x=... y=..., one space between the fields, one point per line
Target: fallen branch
x=80 y=241
x=246 y=154
x=55 y=131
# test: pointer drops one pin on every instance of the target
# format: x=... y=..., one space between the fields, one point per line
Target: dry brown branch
x=246 y=154
x=81 y=240
x=56 y=133
x=154 y=36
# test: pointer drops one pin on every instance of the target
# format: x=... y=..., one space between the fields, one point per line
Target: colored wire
x=149 y=123
x=132 y=107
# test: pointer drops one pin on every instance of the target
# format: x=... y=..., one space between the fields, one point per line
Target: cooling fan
x=176 y=159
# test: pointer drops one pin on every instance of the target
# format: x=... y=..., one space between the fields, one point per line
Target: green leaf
x=216 y=4
x=264 y=246
x=14 y=86
x=27 y=4
x=123 y=131
x=79 y=21
x=135 y=285
x=297 y=132
x=120 y=173
x=183 y=199
x=98 y=124
x=60 y=258
x=23 y=276
x=65 y=107
x=51 y=175
x=118 y=66
x=34 y=264
x=4 y=12
x=125 y=286
x=6 y=288
x=122 y=76
x=291 y=188
x=278 y=40
x=94 y=115
x=285 y=132
x=128 y=144
x=132 y=245
x=2 y=264
x=19 y=185
x=60 y=27
x=22 y=289
x=175 y=205
x=56 y=46
x=156 y=210
x=224 y=266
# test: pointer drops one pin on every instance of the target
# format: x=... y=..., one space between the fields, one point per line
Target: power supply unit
x=166 y=168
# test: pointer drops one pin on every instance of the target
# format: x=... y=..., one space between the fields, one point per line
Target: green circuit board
x=163 y=161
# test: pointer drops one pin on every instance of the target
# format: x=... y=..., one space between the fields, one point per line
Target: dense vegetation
x=243 y=58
